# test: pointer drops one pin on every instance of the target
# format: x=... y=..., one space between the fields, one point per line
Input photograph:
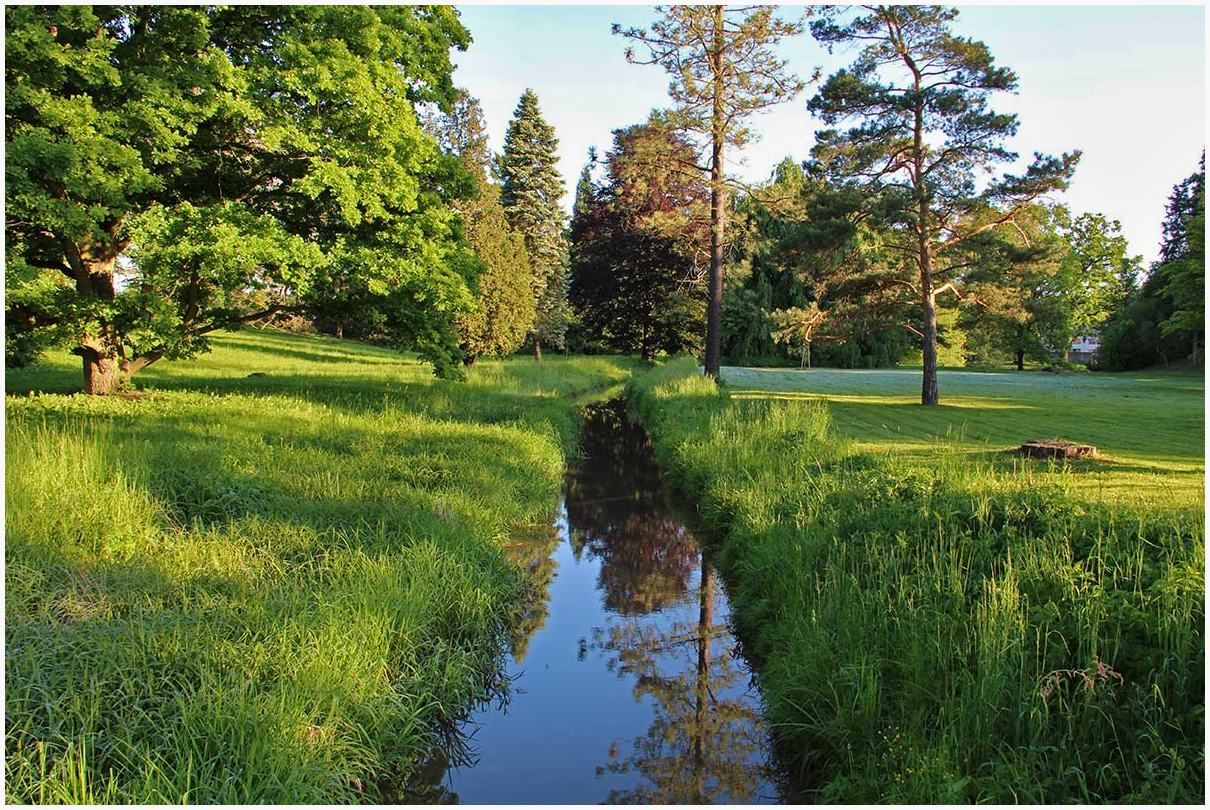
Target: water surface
x=626 y=685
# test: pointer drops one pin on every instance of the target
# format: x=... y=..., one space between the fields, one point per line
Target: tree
x=1165 y=318
x=1183 y=257
x=634 y=275
x=531 y=188
x=796 y=327
x=235 y=155
x=1098 y=274
x=504 y=302
x=723 y=70
x=1022 y=288
x=922 y=134
x=584 y=187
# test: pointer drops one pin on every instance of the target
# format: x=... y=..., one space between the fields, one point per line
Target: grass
x=1149 y=427
x=934 y=622
x=271 y=588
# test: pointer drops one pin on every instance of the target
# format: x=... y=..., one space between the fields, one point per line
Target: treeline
x=892 y=243
x=172 y=171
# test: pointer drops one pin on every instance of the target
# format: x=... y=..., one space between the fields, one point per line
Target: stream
x=625 y=684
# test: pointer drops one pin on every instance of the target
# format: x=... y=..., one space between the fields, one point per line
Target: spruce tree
x=531 y=187
x=584 y=188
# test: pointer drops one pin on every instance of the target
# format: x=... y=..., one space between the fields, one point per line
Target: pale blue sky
x=1126 y=84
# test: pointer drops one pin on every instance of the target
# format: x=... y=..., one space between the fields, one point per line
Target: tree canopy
x=922 y=132
x=176 y=170
x=636 y=280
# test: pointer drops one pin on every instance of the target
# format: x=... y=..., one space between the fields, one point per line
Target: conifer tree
x=531 y=187
x=921 y=135
x=504 y=300
x=723 y=69
x=584 y=188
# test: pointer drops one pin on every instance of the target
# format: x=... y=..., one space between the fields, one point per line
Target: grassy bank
x=273 y=574
x=938 y=621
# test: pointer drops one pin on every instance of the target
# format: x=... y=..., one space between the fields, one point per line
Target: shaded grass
x=931 y=627
x=266 y=589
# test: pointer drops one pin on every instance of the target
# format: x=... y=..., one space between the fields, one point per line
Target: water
x=625 y=682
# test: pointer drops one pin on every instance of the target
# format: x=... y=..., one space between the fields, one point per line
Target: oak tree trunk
x=102 y=371
x=1020 y=359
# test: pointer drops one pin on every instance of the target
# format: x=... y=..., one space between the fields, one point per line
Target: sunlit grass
x=1150 y=428
x=273 y=588
x=936 y=621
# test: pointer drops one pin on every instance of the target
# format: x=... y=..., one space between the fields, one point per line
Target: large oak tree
x=239 y=157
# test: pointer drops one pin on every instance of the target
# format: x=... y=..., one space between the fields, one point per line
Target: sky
x=1124 y=84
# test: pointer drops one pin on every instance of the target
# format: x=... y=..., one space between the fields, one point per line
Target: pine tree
x=531 y=187
x=584 y=188
x=724 y=69
x=921 y=135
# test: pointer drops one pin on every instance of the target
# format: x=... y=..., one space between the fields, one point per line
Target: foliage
x=634 y=275
x=800 y=247
x=1098 y=273
x=1164 y=319
x=723 y=69
x=275 y=588
x=504 y=300
x=139 y=127
x=927 y=622
x=530 y=190
x=796 y=327
x=1019 y=291
x=917 y=96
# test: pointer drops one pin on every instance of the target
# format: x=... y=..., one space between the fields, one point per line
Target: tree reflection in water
x=634 y=598
x=705 y=742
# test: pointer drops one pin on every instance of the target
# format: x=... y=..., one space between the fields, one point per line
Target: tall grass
x=266 y=589
x=928 y=629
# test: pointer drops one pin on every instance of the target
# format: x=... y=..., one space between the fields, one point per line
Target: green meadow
x=934 y=619
x=1148 y=427
x=273 y=574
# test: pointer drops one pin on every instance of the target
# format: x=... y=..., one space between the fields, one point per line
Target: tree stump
x=1056 y=448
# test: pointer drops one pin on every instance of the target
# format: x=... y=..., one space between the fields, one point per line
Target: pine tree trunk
x=718 y=209
x=537 y=349
x=928 y=385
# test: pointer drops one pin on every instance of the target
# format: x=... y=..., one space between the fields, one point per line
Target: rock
x=1056 y=448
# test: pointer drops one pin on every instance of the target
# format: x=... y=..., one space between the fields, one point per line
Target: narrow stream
x=626 y=685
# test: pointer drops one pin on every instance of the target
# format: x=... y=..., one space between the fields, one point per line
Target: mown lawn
x=933 y=620
x=273 y=574
x=1149 y=427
